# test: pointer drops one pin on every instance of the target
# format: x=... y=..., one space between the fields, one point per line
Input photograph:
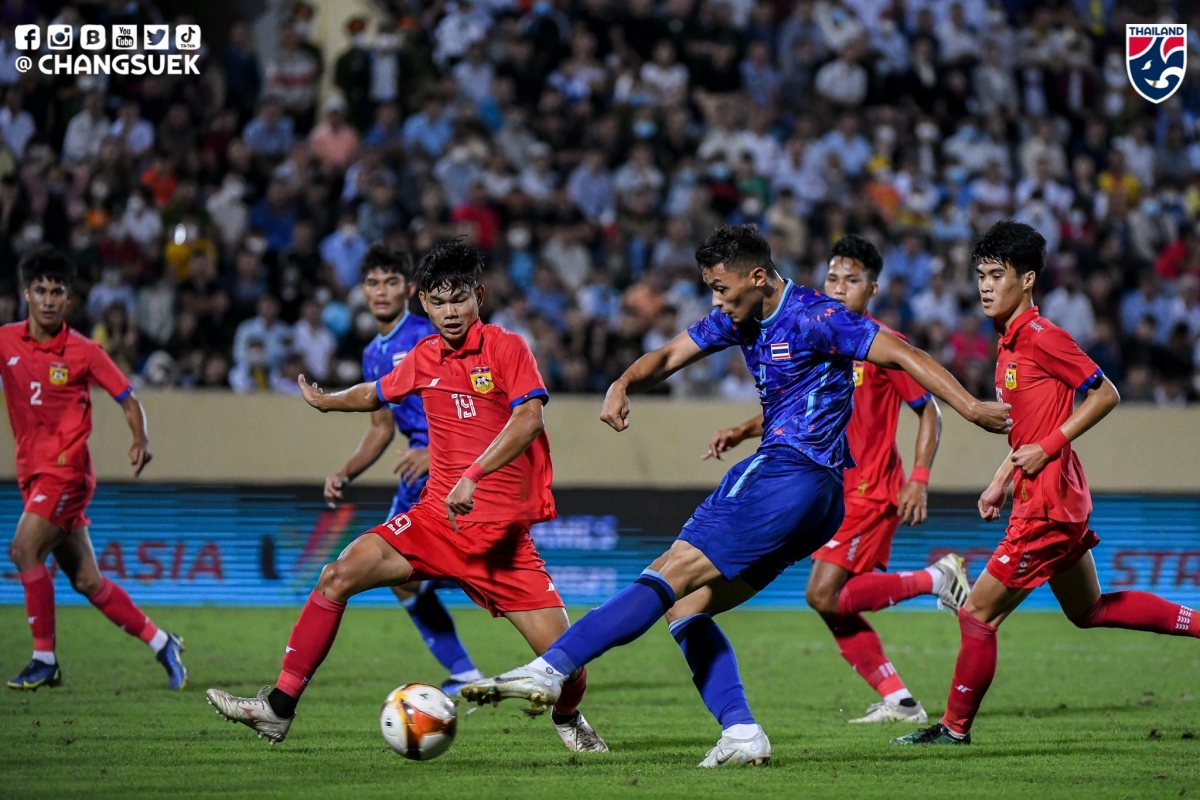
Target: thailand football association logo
x=481 y=380
x=59 y=374
x=1156 y=59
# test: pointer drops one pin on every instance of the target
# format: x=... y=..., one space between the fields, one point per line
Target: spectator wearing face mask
x=342 y=251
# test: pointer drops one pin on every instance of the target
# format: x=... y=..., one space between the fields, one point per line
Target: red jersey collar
x=55 y=344
x=1023 y=319
x=472 y=344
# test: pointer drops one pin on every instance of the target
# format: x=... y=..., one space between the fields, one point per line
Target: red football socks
x=860 y=646
x=114 y=603
x=311 y=639
x=873 y=591
x=572 y=695
x=39 y=606
x=1141 y=611
x=973 y=673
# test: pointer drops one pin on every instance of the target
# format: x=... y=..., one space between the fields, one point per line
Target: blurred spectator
x=314 y=344
x=1070 y=309
x=86 y=130
x=265 y=330
x=270 y=134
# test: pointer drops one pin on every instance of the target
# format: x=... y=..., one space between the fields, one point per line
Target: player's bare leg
x=77 y=557
x=1078 y=593
x=32 y=543
x=988 y=606
x=715 y=671
x=367 y=563
x=541 y=628
x=433 y=621
x=858 y=642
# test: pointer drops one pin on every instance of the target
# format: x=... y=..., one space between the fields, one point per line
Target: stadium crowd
x=586 y=148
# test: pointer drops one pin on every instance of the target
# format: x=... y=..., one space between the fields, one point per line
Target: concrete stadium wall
x=210 y=437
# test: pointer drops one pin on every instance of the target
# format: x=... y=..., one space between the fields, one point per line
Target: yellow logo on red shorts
x=59 y=374
x=481 y=380
x=1010 y=376
x=858 y=374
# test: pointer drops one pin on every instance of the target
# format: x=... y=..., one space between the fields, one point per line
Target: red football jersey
x=469 y=395
x=47 y=388
x=878 y=474
x=1038 y=371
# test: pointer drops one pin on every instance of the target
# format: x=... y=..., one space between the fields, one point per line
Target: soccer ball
x=418 y=721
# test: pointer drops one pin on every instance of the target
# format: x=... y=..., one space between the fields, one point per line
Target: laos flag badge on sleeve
x=1156 y=59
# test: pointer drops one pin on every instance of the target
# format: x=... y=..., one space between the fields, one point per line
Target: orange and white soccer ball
x=419 y=721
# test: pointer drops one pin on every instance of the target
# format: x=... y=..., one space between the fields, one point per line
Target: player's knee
x=337 y=581
x=87 y=584
x=22 y=555
x=1086 y=619
x=821 y=600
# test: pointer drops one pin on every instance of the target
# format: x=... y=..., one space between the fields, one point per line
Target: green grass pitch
x=1090 y=714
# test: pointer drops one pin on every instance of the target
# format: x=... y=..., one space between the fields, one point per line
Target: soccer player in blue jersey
x=770 y=510
x=387 y=286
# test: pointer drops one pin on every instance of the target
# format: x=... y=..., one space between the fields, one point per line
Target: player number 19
x=35 y=387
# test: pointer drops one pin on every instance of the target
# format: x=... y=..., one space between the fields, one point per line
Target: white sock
x=939 y=579
x=469 y=675
x=746 y=730
x=45 y=656
x=894 y=698
x=540 y=664
x=158 y=641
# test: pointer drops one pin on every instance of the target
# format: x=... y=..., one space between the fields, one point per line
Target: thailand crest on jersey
x=858 y=373
x=1156 y=59
x=1010 y=376
x=481 y=380
x=59 y=374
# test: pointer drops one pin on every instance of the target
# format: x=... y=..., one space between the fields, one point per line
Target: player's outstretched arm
x=728 y=438
x=375 y=441
x=524 y=425
x=135 y=418
x=1100 y=400
x=893 y=353
x=646 y=373
x=357 y=398
x=913 y=502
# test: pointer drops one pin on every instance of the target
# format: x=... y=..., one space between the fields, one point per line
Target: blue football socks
x=714 y=669
x=624 y=617
x=436 y=627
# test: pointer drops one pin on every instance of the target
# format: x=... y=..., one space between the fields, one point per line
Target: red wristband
x=920 y=474
x=474 y=473
x=1054 y=442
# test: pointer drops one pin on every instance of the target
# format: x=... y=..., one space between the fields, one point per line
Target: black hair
x=46 y=264
x=860 y=249
x=1013 y=244
x=739 y=248
x=386 y=258
x=449 y=265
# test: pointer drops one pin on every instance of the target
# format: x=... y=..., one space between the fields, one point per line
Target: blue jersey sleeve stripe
x=525 y=398
x=1092 y=380
x=379 y=391
x=919 y=403
x=121 y=397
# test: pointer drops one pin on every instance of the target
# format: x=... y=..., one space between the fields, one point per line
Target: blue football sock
x=436 y=627
x=626 y=616
x=714 y=669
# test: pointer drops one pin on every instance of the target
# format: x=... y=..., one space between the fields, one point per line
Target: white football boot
x=756 y=751
x=893 y=712
x=955 y=586
x=579 y=736
x=541 y=689
x=254 y=712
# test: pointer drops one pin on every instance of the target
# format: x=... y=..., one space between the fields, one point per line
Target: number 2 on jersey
x=35 y=398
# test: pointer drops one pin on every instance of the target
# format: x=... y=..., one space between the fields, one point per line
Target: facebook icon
x=29 y=37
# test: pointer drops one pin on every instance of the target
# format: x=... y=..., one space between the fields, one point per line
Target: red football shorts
x=495 y=563
x=1035 y=550
x=864 y=542
x=62 y=500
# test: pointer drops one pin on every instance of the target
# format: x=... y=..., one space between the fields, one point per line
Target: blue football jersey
x=382 y=355
x=802 y=358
